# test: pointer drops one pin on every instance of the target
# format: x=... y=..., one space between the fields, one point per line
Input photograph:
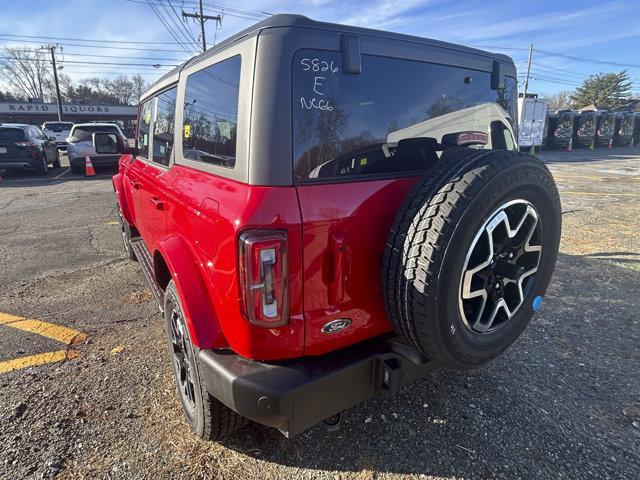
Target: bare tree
x=120 y=88
x=139 y=87
x=25 y=71
x=560 y=100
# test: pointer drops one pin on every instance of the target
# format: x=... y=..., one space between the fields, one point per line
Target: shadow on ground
x=26 y=178
x=562 y=401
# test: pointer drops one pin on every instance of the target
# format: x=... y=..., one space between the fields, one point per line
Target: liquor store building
x=38 y=113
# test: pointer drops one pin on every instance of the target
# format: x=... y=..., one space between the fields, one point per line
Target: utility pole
x=52 y=49
x=526 y=80
x=202 y=17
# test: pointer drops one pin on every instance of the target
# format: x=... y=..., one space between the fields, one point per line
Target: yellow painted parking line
x=65 y=335
x=600 y=194
x=35 y=360
x=61 y=174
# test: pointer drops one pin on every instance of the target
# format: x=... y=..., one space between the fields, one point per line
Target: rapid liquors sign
x=50 y=108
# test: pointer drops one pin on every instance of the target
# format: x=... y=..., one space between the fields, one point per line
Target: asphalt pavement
x=563 y=402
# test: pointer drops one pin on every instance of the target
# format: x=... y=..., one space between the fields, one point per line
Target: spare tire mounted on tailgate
x=470 y=254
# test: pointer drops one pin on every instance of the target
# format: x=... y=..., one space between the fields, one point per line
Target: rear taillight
x=264 y=277
x=25 y=144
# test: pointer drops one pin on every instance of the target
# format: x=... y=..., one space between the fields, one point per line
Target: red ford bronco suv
x=325 y=213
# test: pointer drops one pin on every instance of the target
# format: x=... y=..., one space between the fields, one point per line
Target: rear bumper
x=293 y=396
x=18 y=163
x=96 y=160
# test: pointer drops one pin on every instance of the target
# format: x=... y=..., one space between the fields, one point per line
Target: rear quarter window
x=390 y=118
x=144 y=128
x=210 y=123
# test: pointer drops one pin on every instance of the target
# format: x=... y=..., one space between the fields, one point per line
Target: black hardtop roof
x=291 y=20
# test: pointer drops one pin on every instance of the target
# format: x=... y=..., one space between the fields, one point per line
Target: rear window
x=57 y=126
x=83 y=134
x=11 y=135
x=211 y=114
x=391 y=117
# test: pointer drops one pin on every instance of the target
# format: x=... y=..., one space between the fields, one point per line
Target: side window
x=164 y=126
x=34 y=134
x=144 y=126
x=211 y=114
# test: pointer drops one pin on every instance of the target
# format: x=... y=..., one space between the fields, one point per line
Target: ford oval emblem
x=335 y=326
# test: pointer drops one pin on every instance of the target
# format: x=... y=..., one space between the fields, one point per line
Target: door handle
x=339 y=267
x=135 y=184
x=159 y=204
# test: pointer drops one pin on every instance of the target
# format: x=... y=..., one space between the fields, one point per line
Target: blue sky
x=598 y=30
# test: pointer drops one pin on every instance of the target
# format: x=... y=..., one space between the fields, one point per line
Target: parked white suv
x=80 y=145
x=59 y=131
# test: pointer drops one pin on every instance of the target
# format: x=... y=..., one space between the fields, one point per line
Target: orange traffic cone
x=88 y=167
x=570 y=145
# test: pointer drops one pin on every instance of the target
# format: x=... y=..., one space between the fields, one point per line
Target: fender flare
x=116 y=180
x=201 y=317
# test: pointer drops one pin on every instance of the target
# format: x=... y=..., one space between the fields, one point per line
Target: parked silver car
x=59 y=131
x=80 y=145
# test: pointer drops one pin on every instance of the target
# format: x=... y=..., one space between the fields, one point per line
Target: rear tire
x=127 y=234
x=450 y=225
x=77 y=169
x=42 y=168
x=56 y=161
x=208 y=418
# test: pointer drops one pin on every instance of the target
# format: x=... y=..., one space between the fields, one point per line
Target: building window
x=211 y=114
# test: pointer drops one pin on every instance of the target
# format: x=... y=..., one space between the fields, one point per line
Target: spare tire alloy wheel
x=500 y=266
x=470 y=255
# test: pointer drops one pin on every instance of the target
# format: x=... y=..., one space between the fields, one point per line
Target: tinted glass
x=587 y=125
x=626 y=124
x=211 y=113
x=607 y=125
x=164 y=126
x=392 y=117
x=57 y=126
x=144 y=127
x=11 y=135
x=564 y=128
x=85 y=133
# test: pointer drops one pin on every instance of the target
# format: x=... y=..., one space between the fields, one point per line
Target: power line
x=120 y=56
x=180 y=27
x=131 y=74
x=245 y=10
x=218 y=7
x=155 y=65
x=181 y=23
x=84 y=39
x=187 y=47
x=101 y=46
x=588 y=60
x=559 y=70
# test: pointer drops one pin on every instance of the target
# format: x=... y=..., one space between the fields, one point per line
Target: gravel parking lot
x=563 y=402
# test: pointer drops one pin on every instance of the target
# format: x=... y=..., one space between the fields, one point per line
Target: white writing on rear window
x=319 y=84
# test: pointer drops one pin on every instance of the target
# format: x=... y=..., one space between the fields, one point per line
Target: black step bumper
x=293 y=396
